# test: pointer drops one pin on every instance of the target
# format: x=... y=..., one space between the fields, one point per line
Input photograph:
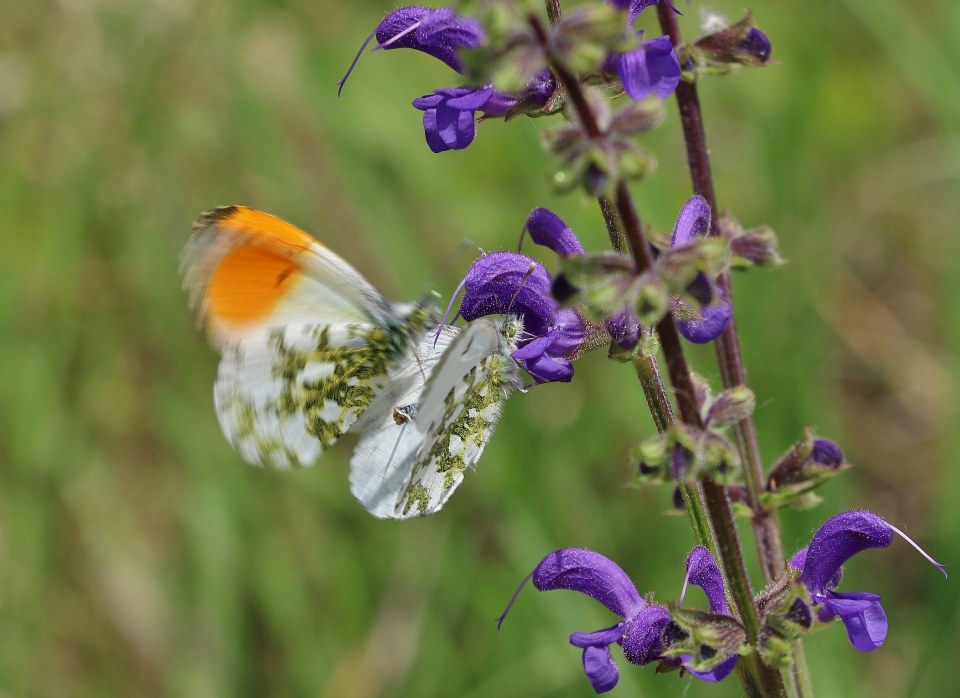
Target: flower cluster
x=699 y=304
x=449 y=114
x=714 y=312
x=513 y=283
x=649 y=632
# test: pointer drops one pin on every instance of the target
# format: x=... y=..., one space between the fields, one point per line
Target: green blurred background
x=140 y=557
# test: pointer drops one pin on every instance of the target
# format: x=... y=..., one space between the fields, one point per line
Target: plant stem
x=729 y=357
x=718 y=505
x=553 y=11
x=648 y=372
x=765 y=522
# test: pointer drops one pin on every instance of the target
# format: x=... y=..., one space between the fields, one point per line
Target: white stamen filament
x=918 y=548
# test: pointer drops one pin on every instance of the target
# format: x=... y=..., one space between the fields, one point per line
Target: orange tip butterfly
x=310 y=350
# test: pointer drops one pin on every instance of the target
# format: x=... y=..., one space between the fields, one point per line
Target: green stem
x=614 y=227
x=693 y=500
x=729 y=356
x=553 y=11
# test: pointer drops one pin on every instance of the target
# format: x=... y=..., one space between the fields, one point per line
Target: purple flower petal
x=679 y=462
x=535 y=358
x=548 y=229
x=713 y=322
x=757 y=44
x=799 y=559
x=598 y=638
x=862 y=615
x=549 y=369
x=590 y=573
x=502 y=282
x=826 y=452
x=718 y=673
x=635 y=7
x=651 y=69
x=600 y=668
x=837 y=541
x=702 y=570
x=568 y=332
x=541 y=87
x=533 y=349
x=471 y=100
x=449 y=119
x=693 y=221
x=642 y=634
x=439 y=33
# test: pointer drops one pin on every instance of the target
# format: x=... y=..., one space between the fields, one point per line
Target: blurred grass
x=139 y=557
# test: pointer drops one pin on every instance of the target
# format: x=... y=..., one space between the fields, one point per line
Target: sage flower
x=821 y=564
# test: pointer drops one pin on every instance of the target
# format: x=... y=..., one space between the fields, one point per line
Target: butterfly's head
x=511 y=327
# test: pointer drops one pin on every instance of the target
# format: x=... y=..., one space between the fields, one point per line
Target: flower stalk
x=765 y=522
x=718 y=508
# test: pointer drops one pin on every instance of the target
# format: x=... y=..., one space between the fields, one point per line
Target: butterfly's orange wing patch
x=248 y=281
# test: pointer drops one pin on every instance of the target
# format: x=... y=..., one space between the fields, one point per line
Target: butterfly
x=310 y=350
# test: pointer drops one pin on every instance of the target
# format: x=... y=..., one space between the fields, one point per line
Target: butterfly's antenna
x=343 y=80
x=523 y=282
x=503 y=616
x=446 y=313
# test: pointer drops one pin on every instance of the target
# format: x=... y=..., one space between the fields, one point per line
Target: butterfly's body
x=311 y=350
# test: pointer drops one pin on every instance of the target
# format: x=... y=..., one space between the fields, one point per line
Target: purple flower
x=651 y=69
x=756 y=44
x=821 y=564
x=826 y=453
x=437 y=32
x=440 y=33
x=509 y=282
x=694 y=222
x=640 y=632
x=548 y=229
x=702 y=570
x=624 y=328
x=449 y=114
